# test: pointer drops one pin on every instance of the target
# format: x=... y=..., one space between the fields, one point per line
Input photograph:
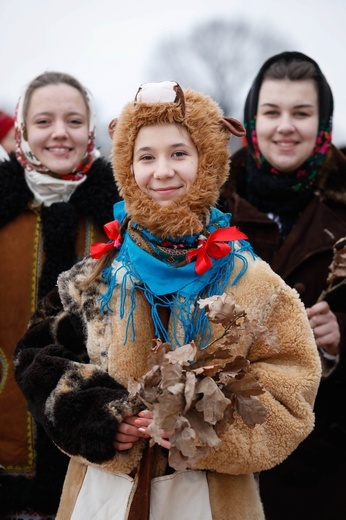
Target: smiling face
x=57 y=124
x=287 y=122
x=165 y=162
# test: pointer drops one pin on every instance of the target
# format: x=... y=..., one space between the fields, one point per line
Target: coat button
x=299 y=287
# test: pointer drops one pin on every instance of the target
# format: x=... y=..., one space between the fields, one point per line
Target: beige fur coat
x=290 y=378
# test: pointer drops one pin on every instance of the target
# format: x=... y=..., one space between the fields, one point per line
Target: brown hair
x=294 y=70
x=53 y=78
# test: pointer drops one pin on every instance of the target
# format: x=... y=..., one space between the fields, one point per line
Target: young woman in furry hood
x=169 y=247
x=287 y=192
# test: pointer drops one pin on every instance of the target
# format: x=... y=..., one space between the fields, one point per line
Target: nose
x=285 y=124
x=59 y=130
x=163 y=169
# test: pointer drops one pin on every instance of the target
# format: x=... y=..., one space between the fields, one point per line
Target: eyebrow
x=49 y=112
x=301 y=105
x=175 y=145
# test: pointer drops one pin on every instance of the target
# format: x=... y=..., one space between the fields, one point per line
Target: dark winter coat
x=310 y=482
x=37 y=244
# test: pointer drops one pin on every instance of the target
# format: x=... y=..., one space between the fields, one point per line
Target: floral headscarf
x=268 y=189
x=30 y=162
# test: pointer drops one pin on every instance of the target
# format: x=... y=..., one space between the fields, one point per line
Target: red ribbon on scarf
x=112 y=230
x=215 y=247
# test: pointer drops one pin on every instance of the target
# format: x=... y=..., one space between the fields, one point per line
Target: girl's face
x=57 y=124
x=165 y=162
x=287 y=122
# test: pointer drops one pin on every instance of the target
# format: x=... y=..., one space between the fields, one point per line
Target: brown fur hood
x=209 y=131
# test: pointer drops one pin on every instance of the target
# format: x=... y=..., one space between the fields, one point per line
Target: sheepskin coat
x=73 y=367
x=38 y=243
x=315 y=471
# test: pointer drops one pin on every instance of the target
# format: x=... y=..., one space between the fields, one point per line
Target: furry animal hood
x=167 y=102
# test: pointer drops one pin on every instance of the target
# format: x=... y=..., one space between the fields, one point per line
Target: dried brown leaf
x=176 y=460
x=221 y=309
x=340 y=272
x=180 y=463
x=231 y=336
x=158 y=352
x=185 y=437
x=171 y=374
x=245 y=385
x=186 y=449
x=190 y=389
x=338 y=266
x=134 y=387
x=228 y=418
x=148 y=387
x=208 y=356
x=251 y=410
x=233 y=368
x=166 y=411
x=254 y=330
x=183 y=355
x=205 y=432
x=213 y=403
x=213 y=370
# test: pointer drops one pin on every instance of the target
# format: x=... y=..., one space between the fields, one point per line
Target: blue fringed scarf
x=164 y=285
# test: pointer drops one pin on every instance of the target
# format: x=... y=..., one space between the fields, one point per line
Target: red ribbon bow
x=112 y=230
x=215 y=247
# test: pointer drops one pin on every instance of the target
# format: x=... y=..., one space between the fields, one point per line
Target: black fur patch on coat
x=93 y=200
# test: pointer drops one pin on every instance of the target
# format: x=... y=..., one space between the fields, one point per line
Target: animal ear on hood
x=112 y=126
x=234 y=126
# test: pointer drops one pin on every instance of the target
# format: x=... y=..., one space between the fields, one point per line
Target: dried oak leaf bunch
x=337 y=269
x=196 y=394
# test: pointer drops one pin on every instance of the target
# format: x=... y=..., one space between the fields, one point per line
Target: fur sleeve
x=290 y=378
x=78 y=403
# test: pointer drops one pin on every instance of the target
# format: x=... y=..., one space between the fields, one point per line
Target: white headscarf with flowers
x=45 y=185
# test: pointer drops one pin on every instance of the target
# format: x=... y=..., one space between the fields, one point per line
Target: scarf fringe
x=184 y=310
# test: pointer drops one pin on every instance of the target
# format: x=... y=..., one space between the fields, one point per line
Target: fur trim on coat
x=93 y=200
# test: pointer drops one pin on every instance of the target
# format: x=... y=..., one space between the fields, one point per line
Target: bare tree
x=219 y=58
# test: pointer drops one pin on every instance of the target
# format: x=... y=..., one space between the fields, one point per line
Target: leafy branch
x=337 y=275
x=197 y=394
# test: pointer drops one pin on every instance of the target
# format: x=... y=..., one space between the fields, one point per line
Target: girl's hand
x=325 y=327
x=128 y=433
x=143 y=420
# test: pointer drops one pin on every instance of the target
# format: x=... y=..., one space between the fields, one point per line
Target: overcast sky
x=108 y=44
